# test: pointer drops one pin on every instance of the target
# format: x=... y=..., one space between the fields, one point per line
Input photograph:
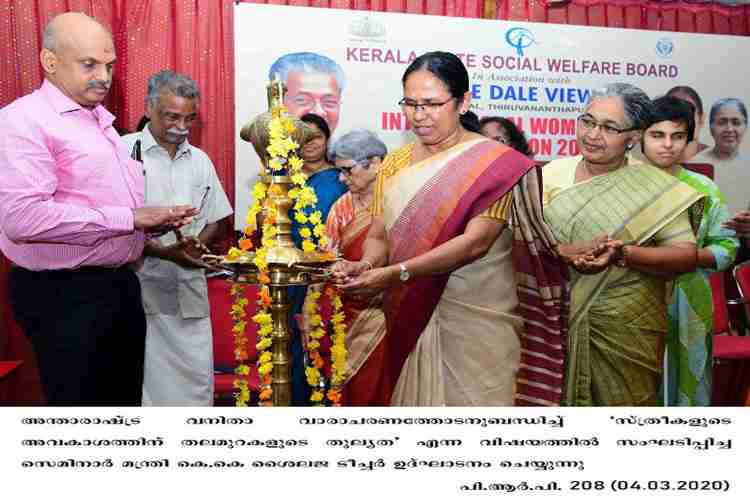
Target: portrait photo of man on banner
x=314 y=85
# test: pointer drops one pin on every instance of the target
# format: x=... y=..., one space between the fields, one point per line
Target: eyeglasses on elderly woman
x=347 y=169
x=588 y=123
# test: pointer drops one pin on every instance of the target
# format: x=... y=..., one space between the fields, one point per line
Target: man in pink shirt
x=71 y=219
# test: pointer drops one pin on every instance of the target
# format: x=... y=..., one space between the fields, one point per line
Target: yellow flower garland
x=317 y=332
x=339 y=354
x=238 y=313
x=282 y=150
x=265 y=328
x=315 y=378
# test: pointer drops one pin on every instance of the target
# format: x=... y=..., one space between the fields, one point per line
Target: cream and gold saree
x=455 y=339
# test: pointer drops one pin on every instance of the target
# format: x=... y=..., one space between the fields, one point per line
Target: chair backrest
x=719 y=298
x=221 y=323
x=741 y=274
x=702 y=168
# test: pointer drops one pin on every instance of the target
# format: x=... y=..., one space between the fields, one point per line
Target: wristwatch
x=621 y=257
x=404 y=274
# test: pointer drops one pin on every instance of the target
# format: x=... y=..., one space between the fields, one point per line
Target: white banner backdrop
x=539 y=75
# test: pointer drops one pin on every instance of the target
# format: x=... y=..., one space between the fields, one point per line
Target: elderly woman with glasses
x=439 y=246
x=358 y=156
x=618 y=317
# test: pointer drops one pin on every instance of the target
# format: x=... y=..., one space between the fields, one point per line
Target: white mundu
x=178 y=369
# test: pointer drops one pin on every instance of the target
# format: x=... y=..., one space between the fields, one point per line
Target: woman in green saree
x=687 y=376
x=618 y=316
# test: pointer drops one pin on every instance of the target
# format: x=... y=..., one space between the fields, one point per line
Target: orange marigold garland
x=265 y=328
x=315 y=375
x=339 y=355
x=282 y=150
x=315 y=378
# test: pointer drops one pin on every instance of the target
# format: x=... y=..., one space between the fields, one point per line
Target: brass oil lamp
x=287 y=264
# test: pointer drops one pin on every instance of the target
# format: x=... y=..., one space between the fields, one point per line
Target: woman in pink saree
x=358 y=155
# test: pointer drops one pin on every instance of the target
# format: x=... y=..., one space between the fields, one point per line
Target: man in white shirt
x=179 y=356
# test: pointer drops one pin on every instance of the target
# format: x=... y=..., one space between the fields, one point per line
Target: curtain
x=189 y=36
x=687 y=17
x=195 y=37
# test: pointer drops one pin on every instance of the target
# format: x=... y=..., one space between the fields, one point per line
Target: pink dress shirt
x=67 y=185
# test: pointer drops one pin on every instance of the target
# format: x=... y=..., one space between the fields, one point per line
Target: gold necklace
x=360 y=202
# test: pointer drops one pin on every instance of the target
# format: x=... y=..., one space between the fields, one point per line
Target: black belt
x=77 y=270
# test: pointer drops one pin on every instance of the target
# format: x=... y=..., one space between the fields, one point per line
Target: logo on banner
x=665 y=47
x=519 y=39
x=367 y=28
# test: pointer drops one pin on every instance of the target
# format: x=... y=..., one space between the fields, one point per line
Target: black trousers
x=88 y=329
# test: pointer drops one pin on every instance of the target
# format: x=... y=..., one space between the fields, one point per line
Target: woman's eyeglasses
x=588 y=123
x=427 y=107
x=347 y=170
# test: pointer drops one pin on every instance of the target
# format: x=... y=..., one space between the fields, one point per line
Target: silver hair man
x=174 y=83
x=172 y=102
x=359 y=145
x=306 y=62
x=638 y=106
